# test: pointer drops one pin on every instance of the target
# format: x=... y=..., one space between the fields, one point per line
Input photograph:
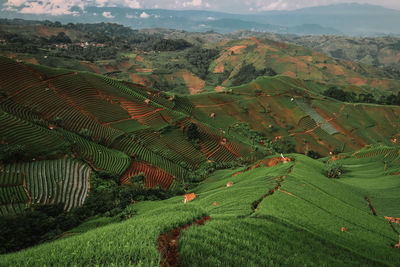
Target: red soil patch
x=236 y=173
x=289 y=73
x=237 y=49
x=219 y=88
x=167 y=243
x=219 y=68
x=256 y=40
x=32 y=61
x=392 y=219
x=109 y=68
x=143 y=70
x=282 y=45
x=294 y=60
x=139 y=59
x=48 y=31
x=91 y=66
x=194 y=83
x=139 y=79
x=127 y=64
x=357 y=80
x=223 y=42
x=306 y=58
x=153 y=175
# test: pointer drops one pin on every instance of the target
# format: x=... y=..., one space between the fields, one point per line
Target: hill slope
x=286 y=214
x=121 y=129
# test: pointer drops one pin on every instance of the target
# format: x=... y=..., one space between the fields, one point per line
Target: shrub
x=333 y=169
x=313 y=154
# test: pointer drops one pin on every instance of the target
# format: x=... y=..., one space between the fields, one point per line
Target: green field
x=298 y=224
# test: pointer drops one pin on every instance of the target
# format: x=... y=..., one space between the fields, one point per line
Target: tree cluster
x=352 y=97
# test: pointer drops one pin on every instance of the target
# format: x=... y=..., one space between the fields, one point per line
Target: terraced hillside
x=173 y=70
x=209 y=61
x=266 y=213
x=98 y=124
x=282 y=109
x=121 y=129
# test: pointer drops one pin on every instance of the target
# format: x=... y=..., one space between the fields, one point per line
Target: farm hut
x=189 y=197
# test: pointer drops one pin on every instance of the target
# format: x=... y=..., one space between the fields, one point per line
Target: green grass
x=300 y=228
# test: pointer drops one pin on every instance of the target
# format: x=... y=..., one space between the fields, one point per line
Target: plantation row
x=326 y=126
x=49 y=181
x=82 y=94
x=99 y=157
x=153 y=175
x=48 y=73
x=33 y=138
x=155 y=120
x=53 y=107
x=140 y=152
x=23 y=77
x=13 y=197
x=385 y=152
x=21 y=112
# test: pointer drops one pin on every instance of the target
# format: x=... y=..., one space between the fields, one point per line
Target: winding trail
x=167 y=243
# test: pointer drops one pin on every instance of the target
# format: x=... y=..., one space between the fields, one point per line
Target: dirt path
x=167 y=243
x=320 y=124
x=371 y=206
x=136 y=117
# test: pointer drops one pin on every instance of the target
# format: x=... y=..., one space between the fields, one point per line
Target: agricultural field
x=121 y=129
x=270 y=212
x=159 y=148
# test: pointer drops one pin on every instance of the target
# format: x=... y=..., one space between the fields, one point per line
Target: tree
x=192 y=132
x=333 y=169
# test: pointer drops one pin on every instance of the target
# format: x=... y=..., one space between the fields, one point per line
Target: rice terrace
x=171 y=133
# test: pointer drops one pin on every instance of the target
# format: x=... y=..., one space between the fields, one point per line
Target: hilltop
x=195 y=62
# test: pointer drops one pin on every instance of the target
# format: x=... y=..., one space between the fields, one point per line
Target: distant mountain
x=350 y=18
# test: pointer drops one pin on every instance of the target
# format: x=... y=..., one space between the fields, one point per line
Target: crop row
x=153 y=175
x=52 y=106
x=182 y=104
x=223 y=155
x=78 y=92
x=100 y=157
x=47 y=73
x=32 y=137
x=140 y=152
x=326 y=126
x=53 y=181
x=9 y=68
x=379 y=151
x=154 y=120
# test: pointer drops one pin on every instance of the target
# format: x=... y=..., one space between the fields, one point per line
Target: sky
x=60 y=7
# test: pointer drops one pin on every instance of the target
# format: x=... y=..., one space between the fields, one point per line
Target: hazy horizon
x=64 y=7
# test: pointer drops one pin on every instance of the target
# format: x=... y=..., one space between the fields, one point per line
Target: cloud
x=276 y=5
x=129 y=16
x=132 y=3
x=108 y=15
x=62 y=7
x=194 y=3
x=144 y=15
